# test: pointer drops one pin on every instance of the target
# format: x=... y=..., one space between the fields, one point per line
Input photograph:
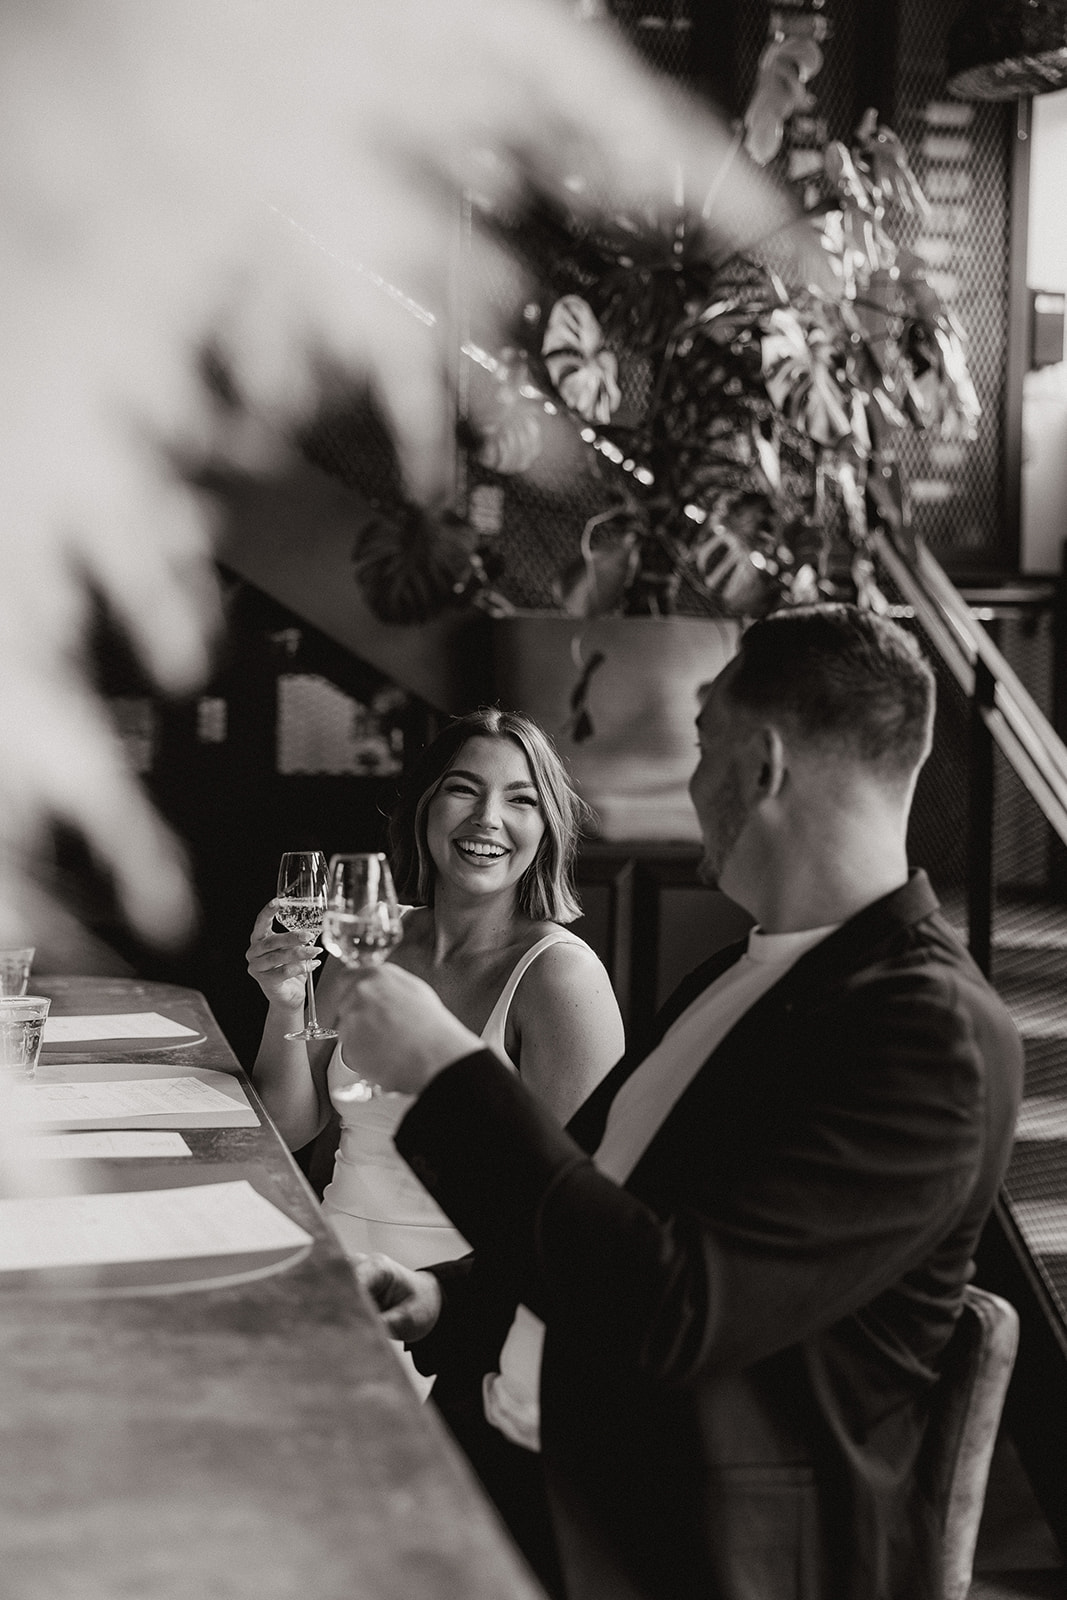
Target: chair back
x=962 y=1429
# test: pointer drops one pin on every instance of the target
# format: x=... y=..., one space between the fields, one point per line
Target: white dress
x=374 y=1201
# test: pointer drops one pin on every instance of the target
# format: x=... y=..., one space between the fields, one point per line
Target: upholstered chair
x=963 y=1425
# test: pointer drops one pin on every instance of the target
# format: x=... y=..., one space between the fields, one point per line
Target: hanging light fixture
x=1004 y=49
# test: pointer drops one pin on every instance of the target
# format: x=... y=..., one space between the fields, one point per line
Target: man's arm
x=834 y=1207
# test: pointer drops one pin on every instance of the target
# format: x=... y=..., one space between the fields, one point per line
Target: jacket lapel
x=586 y=1126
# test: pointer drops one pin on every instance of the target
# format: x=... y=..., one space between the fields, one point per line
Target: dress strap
x=494 y=1030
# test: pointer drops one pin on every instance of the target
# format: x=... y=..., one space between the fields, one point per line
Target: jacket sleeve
x=477 y=1305
x=478 y=1296
x=837 y=1202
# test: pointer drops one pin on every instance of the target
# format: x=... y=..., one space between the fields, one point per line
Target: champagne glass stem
x=313 y=1016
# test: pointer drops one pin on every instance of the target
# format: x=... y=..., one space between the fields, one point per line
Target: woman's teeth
x=469 y=848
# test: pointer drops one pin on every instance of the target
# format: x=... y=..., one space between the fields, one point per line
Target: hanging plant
x=410 y=564
x=764 y=401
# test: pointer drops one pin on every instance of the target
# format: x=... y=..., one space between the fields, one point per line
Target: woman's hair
x=546 y=888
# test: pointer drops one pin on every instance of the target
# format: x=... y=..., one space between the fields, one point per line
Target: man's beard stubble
x=729 y=816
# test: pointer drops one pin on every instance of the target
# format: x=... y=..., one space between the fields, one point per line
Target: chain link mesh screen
x=960 y=152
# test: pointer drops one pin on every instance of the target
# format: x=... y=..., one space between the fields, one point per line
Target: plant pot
x=634 y=767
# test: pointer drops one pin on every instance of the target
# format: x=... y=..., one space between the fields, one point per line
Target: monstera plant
x=741 y=410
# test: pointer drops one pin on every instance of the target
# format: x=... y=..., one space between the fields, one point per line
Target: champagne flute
x=361 y=926
x=299 y=906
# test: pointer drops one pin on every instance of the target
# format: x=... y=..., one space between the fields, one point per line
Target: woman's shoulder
x=566 y=1021
x=565 y=961
x=537 y=933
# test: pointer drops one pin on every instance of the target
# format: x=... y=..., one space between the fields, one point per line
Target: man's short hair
x=849 y=680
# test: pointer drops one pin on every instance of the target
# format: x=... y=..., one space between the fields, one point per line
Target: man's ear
x=772 y=764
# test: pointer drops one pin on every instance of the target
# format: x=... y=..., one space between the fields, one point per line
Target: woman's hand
x=280 y=962
x=409 y=1302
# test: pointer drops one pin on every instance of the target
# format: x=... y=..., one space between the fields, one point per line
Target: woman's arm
x=569 y=1030
x=289 y=1074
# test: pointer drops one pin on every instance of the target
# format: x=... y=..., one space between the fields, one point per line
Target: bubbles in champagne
x=299 y=916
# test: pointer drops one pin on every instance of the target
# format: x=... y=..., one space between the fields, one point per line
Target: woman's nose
x=487 y=810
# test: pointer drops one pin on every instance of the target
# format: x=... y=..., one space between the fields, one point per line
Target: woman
x=483 y=840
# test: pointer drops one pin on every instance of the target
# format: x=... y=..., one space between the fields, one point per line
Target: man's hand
x=396 y=1033
x=410 y=1302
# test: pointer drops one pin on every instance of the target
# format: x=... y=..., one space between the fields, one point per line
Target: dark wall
x=229 y=804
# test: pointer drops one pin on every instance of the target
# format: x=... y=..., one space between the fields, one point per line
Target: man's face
x=716 y=788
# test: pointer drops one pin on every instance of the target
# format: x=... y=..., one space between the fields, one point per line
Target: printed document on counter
x=90 y=1101
x=117 y=1025
x=143 y=1225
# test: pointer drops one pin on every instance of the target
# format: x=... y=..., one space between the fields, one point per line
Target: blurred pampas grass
x=281 y=180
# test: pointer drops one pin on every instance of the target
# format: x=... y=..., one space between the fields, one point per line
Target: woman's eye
x=526 y=800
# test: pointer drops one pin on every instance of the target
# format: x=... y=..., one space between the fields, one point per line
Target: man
x=746 y=1293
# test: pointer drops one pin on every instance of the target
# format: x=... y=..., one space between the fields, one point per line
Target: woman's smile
x=481 y=850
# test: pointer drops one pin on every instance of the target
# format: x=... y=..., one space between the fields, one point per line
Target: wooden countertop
x=251 y=1442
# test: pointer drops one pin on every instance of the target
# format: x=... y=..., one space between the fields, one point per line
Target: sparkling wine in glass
x=361 y=926
x=299 y=906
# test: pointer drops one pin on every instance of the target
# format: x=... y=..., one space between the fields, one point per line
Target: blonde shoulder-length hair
x=546 y=889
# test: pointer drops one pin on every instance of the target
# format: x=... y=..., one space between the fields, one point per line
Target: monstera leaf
x=784 y=69
x=410 y=563
x=584 y=374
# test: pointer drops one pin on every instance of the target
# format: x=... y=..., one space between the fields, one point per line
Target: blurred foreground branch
x=245 y=175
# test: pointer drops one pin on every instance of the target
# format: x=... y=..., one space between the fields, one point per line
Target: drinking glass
x=15 y=971
x=361 y=926
x=299 y=906
x=22 y=1020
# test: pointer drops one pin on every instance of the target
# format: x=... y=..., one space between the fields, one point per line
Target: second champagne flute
x=299 y=906
x=361 y=926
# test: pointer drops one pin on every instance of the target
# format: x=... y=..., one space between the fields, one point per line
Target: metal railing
x=991 y=814
x=1003 y=716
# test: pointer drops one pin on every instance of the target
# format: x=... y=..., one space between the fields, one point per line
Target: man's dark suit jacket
x=741 y=1341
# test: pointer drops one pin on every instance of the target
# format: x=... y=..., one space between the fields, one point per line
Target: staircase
x=991 y=816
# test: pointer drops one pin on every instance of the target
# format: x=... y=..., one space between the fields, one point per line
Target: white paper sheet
x=134 y=1097
x=102 y=1144
x=116 y=1025
x=146 y=1225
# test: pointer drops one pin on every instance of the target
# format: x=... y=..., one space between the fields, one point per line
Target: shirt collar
x=776 y=949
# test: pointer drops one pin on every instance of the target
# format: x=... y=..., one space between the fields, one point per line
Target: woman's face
x=484 y=824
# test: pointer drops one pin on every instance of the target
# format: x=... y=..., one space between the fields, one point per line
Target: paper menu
x=169 y=1110
x=114 y=1025
x=215 y=1219
x=102 y=1144
x=91 y=1101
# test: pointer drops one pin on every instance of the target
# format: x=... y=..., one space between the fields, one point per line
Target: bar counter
x=251 y=1440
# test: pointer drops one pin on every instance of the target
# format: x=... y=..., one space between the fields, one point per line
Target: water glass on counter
x=15 y=967
x=22 y=1020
